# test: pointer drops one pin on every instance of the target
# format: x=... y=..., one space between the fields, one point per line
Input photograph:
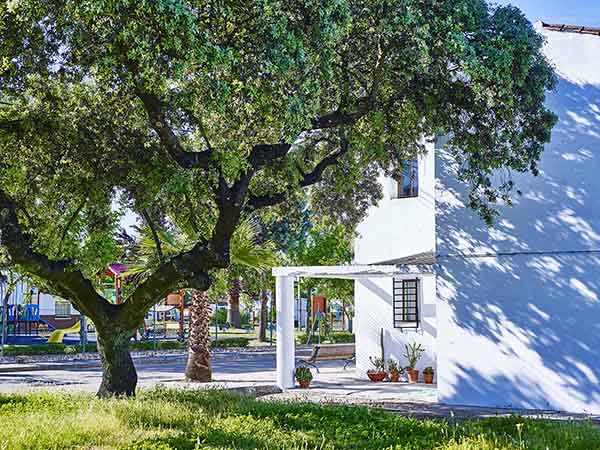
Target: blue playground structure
x=23 y=319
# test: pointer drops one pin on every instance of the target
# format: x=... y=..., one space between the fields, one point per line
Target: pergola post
x=286 y=354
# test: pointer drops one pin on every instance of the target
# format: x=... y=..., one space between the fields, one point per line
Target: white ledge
x=350 y=271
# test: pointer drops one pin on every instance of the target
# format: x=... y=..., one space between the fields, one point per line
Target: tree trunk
x=262 y=320
x=233 y=313
x=119 y=377
x=198 y=363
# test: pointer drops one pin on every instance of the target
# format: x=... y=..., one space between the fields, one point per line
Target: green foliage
x=249 y=250
x=413 y=353
x=44 y=349
x=227 y=77
x=428 y=370
x=59 y=349
x=378 y=363
x=393 y=366
x=303 y=374
x=195 y=113
x=150 y=344
x=164 y=419
x=326 y=243
x=335 y=337
x=231 y=342
x=220 y=315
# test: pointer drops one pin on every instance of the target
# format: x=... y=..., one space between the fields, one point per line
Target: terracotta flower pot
x=304 y=384
x=428 y=377
x=413 y=375
x=394 y=377
x=376 y=376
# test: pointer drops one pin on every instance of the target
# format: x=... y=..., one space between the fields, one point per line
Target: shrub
x=35 y=349
x=335 y=337
x=63 y=349
x=157 y=345
x=231 y=342
x=220 y=316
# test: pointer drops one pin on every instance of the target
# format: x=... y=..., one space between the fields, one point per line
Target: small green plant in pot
x=394 y=370
x=304 y=376
x=378 y=372
x=428 y=374
x=413 y=354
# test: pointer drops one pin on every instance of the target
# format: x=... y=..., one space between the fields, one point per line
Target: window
x=406 y=303
x=408 y=179
x=62 y=308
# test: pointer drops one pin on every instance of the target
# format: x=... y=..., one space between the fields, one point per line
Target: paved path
x=256 y=370
x=258 y=367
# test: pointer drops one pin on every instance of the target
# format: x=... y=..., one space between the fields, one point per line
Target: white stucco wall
x=373 y=303
x=399 y=227
x=47 y=305
x=522 y=330
x=393 y=229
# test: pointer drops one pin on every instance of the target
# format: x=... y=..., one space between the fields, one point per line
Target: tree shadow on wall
x=538 y=310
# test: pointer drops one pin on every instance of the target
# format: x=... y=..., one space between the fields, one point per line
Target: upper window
x=406 y=303
x=408 y=179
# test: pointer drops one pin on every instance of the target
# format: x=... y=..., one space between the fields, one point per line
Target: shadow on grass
x=231 y=421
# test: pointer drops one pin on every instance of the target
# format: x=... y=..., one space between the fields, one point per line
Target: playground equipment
x=20 y=311
x=57 y=336
x=23 y=318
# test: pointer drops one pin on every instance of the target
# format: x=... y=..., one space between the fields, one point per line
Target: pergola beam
x=284 y=295
x=352 y=271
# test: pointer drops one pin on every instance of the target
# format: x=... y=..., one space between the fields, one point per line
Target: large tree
x=199 y=111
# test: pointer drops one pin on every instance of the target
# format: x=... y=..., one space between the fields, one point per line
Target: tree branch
x=339 y=117
x=62 y=276
x=186 y=159
x=230 y=202
x=264 y=153
x=69 y=225
x=190 y=269
x=186 y=270
x=310 y=178
x=154 y=233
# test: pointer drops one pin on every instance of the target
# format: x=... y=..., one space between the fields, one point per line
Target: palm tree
x=262 y=321
x=247 y=253
x=198 y=363
x=233 y=312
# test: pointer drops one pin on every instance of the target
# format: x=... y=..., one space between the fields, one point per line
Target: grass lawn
x=168 y=419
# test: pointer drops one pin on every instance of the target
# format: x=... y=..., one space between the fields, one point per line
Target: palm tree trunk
x=262 y=324
x=233 y=314
x=198 y=364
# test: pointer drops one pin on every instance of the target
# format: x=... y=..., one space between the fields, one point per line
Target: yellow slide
x=57 y=335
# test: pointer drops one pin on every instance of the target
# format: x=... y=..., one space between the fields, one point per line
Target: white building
x=47 y=309
x=510 y=315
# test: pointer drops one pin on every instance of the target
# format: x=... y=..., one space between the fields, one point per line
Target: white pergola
x=284 y=297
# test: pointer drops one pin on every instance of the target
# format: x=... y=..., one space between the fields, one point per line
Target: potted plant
x=304 y=376
x=378 y=373
x=394 y=370
x=413 y=354
x=428 y=373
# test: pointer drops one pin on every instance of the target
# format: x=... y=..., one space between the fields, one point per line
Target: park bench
x=324 y=352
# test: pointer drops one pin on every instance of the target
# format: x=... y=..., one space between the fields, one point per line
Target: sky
x=574 y=12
